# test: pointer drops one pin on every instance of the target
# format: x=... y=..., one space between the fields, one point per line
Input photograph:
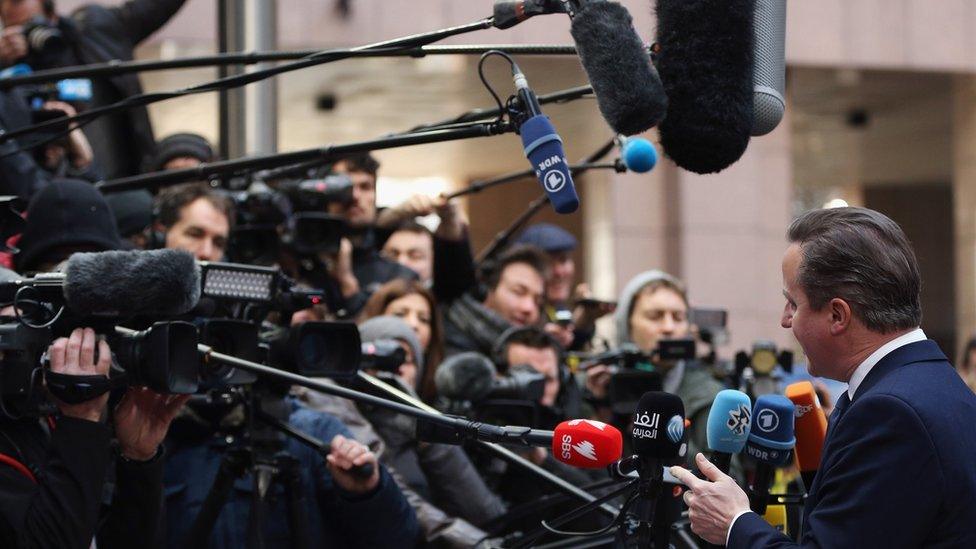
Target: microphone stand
x=505 y=235
x=325 y=154
x=116 y=68
x=500 y=451
x=235 y=81
x=463 y=427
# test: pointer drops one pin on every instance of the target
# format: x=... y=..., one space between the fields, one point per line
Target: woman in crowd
x=410 y=301
x=442 y=474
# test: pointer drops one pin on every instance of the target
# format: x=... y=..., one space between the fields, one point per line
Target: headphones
x=499 y=353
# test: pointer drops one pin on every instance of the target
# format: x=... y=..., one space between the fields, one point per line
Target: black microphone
x=658 y=432
x=508 y=13
x=544 y=149
x=770 y=66
x=627 y=86
x=120 y=283
x=465 y=377
x=706 y=63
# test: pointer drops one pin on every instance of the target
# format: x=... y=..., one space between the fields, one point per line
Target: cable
x=484 y=80
x=230 y=82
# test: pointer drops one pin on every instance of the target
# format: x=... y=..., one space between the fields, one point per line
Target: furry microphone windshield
x=627 y=86
x=132 y=283
x=706 y=64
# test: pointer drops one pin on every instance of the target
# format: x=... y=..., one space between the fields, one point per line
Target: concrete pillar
x=964 y=204
x=723 y=234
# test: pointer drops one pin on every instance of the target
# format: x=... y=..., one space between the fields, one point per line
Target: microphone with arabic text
x=810 y=427
x=658 y=432
x=729 y=422
x=771 y=440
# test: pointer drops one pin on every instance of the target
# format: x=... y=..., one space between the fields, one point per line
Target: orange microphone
x=810 y=427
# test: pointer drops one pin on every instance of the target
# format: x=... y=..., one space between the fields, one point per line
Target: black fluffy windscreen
x=132 y=283
x=706 y=64
x=465 y=376
x=627 y=86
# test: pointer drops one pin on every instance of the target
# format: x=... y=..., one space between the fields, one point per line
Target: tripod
x=262 y=454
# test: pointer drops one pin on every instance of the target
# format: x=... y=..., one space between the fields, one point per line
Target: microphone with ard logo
x=770 y=443
x=729 y=423
x=587 y=443
x=810 y=427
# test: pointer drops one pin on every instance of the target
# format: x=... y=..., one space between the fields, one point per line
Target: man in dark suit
x=897 y=468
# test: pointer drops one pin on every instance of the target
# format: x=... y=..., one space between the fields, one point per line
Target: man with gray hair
x=897 y=467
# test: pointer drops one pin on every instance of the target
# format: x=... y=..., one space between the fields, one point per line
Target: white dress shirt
x=857 y=377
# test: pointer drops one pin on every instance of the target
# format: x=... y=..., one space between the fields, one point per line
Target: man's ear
x=841 y=316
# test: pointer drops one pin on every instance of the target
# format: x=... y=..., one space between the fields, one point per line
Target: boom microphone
x=810 y=427
x=729 y=422
x=770 y=442
x=544 y=149
x=587 y=443
x=465 y=377
x=770 y=66
x=120 y=283
x=627 y=86
x=707 y=68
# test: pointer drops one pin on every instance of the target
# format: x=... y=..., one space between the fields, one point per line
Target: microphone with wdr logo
x=729 y=422
x=770 y=442
x=544 y=149
x=810 y=427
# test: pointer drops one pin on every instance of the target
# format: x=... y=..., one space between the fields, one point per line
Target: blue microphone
x=638 y=154
x=729 y=422
x=770 y=443
x=544 y=149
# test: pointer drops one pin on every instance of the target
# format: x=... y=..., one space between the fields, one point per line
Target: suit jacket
x=898 y=467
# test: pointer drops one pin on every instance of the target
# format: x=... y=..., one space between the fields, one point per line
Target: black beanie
x=66 y=213
x=182 y=144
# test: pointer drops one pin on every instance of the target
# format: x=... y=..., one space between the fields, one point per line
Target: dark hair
x=394 y=290
x=411 y=226
x=362 y=162
x=172 y=200
x=519 y=253
x=532 y=337
x=863 y=257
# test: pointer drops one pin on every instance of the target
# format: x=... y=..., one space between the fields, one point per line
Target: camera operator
x=531 y=346
x=654 y=306
x=575 y=332
x=56 y=471
x=516 y=286
x=93 y=34
x=442 y=259
x=343 y=509
x=358 y=269
x=441 y=474
x=196 y=218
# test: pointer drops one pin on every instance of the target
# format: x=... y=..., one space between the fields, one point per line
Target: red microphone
x=811 y=429
x=587 y=443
